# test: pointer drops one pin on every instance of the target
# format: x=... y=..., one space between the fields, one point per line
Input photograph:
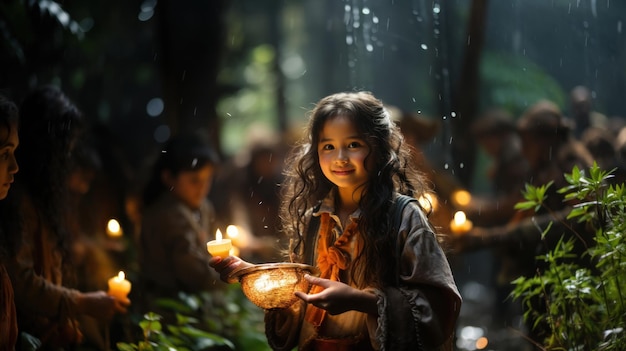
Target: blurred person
x=249 y=193
x=582 y=113
x=417 y=131
x=178 y=220
x=496 y=133
x=551 y=151
x=9 y=141
x=602 y=144
x=47 y=309
x=91 y=261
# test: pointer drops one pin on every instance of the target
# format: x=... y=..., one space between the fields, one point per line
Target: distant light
x=154 y=107
x=481 y=343
x=162 y=133
x=113 y=228
x=462 y=197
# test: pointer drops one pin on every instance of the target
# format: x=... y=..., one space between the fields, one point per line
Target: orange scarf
x=331 y=259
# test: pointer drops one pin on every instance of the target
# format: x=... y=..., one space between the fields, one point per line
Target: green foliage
x=515 y=82
x=204 y=322
x=584 y=308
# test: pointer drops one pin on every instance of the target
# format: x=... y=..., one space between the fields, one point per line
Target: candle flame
x=113 y=228
x=121 y=275
x=459 y=217
x=218 y=235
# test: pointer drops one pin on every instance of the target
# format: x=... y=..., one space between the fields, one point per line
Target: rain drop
x=424 y=47
x=154 y=107
x=162 y=133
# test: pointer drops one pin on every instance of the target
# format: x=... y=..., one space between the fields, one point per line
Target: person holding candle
x=38 y=268
x=9 y=141
x=380 y=288
x=178 y=221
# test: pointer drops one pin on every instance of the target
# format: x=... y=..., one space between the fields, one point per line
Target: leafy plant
x=182 y=336
x=204 y=322
x=584 y=306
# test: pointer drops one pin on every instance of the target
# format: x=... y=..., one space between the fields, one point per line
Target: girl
x=46 y=308
x=8 y=167
x=380 y=288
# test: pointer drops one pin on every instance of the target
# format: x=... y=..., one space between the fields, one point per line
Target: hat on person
x=544 y=117
x=494 y=121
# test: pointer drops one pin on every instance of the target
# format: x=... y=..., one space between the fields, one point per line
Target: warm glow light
x=232 y=231
x=462 y=197
x=113 y=228
x=481 y=343
x=459 y=217
x=218 y=235
x=428 y=202
x=121 y=276
x=460 y=224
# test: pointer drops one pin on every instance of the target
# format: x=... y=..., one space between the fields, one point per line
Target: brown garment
x=421 y=310
x=45 y=308
x=8 y=317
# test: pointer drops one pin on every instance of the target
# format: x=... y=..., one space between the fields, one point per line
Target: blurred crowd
x=74 y=213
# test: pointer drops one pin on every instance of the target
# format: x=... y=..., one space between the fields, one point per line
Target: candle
x=119 y=287
x=113 y=228
x=460 y=224
x=219 y=247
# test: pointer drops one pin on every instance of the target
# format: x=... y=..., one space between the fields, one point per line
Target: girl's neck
x=345 y=204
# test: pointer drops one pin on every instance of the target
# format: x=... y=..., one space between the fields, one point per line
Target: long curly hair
x=50 y=125
x=305 y=185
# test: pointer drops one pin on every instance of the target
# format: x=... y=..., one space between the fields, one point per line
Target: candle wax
x=119 y=287
x=219 y=248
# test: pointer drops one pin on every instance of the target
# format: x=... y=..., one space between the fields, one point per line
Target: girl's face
x=8 y=164
x=191 y=187
x=342 y=154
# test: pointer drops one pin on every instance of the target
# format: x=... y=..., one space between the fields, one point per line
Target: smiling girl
x=383 y=286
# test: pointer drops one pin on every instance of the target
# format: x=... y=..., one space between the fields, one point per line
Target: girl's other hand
x=225 y=266
x=338 y=297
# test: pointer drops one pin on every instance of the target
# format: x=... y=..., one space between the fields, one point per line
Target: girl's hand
x=338 y=297
x=225 y=266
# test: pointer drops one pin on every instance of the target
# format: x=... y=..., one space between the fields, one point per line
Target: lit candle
x=113 y=228
x=219 y=247
x=119 y=287
x=460 y=224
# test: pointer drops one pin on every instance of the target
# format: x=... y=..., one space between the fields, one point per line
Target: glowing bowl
x=272 y=285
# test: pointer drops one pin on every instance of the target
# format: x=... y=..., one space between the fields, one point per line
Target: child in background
x=178 y=221
x=380 y=288
x=8 y=167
